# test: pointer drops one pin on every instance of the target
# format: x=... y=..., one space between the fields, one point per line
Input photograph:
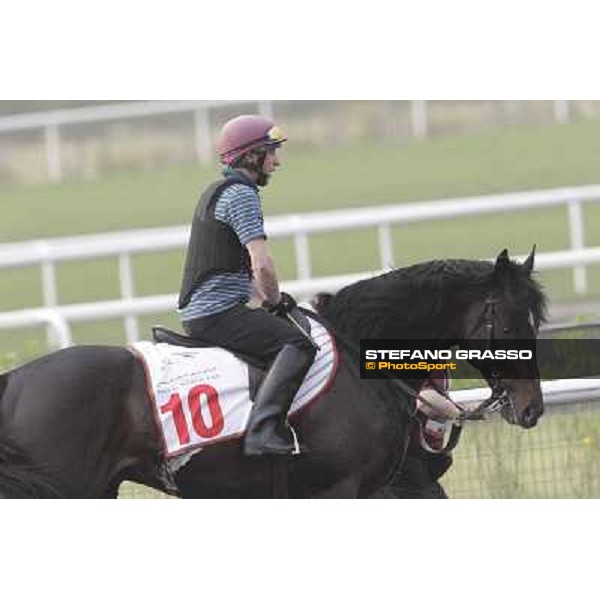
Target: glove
x=285 y=305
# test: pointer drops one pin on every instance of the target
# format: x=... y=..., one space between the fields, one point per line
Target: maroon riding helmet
x=244 y=133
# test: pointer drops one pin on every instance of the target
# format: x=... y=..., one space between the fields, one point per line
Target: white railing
x=51 y=121
x=420 y=121
x=556 y=392
x=58 y=317
x=47 y=253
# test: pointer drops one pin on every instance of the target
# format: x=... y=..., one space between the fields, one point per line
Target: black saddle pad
x=162 y=335
x=168 y=336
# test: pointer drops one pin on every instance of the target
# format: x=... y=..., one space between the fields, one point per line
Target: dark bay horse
x=420 y=471
x=83 y=415
x=20 y=477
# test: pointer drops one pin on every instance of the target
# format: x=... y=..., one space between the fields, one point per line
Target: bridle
x=499 y=397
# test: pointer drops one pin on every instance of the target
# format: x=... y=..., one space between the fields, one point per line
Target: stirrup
x=293 y=449
x=296 y=450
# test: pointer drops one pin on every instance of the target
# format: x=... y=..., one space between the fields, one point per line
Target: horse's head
x=507 y=312
x=494 y=302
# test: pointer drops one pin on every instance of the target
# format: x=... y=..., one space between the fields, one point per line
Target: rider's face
x=268 y=161
x=272 y=161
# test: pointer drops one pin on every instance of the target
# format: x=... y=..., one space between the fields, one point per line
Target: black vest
x=214 y=246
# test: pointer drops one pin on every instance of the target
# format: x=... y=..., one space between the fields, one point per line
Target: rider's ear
x=528 y=264
x=502 y=261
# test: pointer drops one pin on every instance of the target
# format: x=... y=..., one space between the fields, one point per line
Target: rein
x=414 y=395
x=498 y=399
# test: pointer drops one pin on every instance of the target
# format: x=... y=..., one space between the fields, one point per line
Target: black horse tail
x=19 y=476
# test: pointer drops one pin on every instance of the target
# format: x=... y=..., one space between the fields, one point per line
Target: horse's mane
x=417 y=294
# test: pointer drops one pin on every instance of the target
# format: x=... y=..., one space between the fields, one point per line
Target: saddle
x=203 y=395
x=163 y=335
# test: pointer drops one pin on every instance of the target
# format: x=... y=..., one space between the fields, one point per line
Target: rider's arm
x=265 y=276
x=256 y=296
x=244 y=214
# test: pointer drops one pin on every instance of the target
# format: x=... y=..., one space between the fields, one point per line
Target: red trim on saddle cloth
x=150 y=396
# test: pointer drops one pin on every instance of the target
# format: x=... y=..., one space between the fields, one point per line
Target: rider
x=227 y=262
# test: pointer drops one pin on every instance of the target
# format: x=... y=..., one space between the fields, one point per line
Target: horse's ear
x=502 y=261
x=528 y=264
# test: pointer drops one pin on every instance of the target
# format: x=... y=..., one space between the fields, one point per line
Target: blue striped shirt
x=239 y=207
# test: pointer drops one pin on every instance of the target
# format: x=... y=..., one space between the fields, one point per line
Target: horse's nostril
x=530 y=416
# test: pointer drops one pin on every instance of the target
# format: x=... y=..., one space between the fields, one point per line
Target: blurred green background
x=340 y=155
x=363 y=174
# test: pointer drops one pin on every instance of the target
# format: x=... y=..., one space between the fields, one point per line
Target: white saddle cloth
x=200 y=396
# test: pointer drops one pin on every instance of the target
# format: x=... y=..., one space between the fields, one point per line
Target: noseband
x=499 y=398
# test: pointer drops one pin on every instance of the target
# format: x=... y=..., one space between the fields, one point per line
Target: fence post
x=52 y=137
x=49 y=288
x=562 y=111
x=265 y=108
x=418 y=118
x=302 y=256
x=203 y=141
x=576 y=235
x=61 y=334
x=386 y=247
x=127 y=292
x=49 y=283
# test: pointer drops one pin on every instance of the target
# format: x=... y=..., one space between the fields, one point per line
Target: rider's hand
x=285 y=305
x=287 y=302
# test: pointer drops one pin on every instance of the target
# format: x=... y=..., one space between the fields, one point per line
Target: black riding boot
x=268 y=431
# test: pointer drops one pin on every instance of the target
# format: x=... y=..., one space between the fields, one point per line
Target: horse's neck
x=356 y=323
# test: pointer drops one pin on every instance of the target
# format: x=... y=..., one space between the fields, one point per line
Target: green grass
x=362 y=175
x=370 y=174
x=559 y=458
